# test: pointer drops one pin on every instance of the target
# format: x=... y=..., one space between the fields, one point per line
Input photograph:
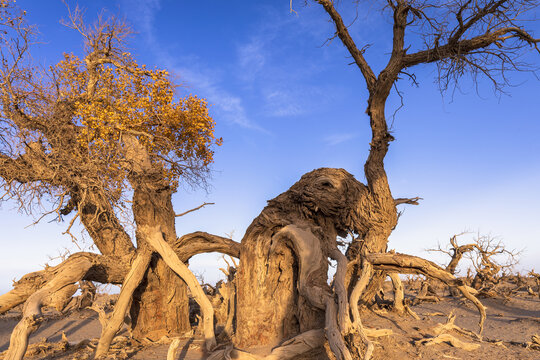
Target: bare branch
x=409 y=201
x=345 y=37
x=194 y=209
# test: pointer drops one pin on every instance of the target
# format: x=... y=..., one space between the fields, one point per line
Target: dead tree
x=459 y=37
x=283 y=294
x=489 y=256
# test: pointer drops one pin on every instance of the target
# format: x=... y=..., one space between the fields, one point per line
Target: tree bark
x=273 y=305
x=155 y=239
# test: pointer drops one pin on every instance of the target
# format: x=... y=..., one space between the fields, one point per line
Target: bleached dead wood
x=70 y=273
x=407 y=264
x=171 y=353
x=398 y=292
x=448 y=339
x=313 y=286
x=449 y=326
x=111 y=269
x=114 y=323
x=154 y=237
x=361 y=284
x=201 y=242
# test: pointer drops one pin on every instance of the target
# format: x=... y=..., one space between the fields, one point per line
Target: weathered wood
x=173 y=348
x=116 y=320
x=200 y=242
x=408 y=264
x=398 y=293
x=313 y=286
x=70 y=273
x=155 y=239
x=361 y=284
x=270 y=308
x=107 y=269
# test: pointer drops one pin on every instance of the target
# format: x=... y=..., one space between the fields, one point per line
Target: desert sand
x=510 y=325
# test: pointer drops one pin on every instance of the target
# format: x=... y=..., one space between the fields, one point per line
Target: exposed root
x=399 y=307
x=313 y=287
x=171 y=353
x=365 y=275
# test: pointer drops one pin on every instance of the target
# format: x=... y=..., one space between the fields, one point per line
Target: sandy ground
x=509 y=325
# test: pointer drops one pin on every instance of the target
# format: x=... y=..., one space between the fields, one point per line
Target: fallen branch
x=408 y=264
x=448 y=339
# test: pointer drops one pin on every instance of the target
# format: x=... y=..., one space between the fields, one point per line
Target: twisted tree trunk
x=276 y=299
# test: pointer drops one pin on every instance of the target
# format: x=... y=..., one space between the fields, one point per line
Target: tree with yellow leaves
x=87 y=133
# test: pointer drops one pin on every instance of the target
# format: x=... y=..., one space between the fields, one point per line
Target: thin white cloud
x=226 y=105
x=336 y=139
x=143 y=12
x=282 y=103
x=269 y=66
x=230 y=107
x=251 y=59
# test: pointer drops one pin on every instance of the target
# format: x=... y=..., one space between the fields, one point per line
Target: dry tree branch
x=194 y=209
x=409 y=201
x=347 y=40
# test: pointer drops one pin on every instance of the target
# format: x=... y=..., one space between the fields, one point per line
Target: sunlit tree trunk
x=160 y=304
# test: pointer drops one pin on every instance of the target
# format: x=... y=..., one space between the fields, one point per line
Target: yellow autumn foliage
x=130 y=99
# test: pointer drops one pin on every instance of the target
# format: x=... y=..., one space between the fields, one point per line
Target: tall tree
x=82 y=137
x=460 y=37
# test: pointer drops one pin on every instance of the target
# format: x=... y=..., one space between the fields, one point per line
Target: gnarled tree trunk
x=270 y=307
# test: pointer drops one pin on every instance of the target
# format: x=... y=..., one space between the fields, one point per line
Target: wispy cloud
x=203 y=80
x=229 y=106
x=336 y=139
x=251 y=59
x=282 y=103
x=270 y=66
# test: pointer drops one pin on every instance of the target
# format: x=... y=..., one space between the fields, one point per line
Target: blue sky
x=286 y=103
